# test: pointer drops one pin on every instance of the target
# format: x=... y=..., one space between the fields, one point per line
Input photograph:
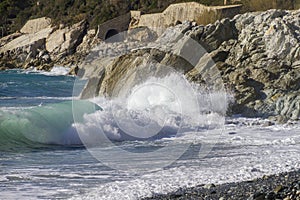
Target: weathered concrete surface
x=175 y=13
x=118 y=24
x=191 y=11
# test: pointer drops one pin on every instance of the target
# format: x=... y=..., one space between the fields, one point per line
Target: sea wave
x=49 y=124
x=155 y=109
x=55 y=71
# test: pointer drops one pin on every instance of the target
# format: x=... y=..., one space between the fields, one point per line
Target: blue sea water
x=35 y=165
x=26 y=88
x=41 y=155
x=47 y=147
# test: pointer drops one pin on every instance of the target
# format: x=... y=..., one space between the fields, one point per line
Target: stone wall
x=192 y=11
x=229 y=11
x=174 y=14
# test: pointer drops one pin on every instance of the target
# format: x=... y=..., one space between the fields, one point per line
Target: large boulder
x=26 y=50
x=30 y=42
x=8 y=38
x=36 y=25
x=27 y=47
x=115 y=78
x=89 y=41
x=64 y=41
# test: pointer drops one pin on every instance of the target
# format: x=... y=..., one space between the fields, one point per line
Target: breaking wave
x=157 y=108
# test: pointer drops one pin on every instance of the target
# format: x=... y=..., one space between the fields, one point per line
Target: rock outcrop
x=257 y=55
x=263 y=64
x=148 y=62
x=41 y=45
x=64 y=41
x=36 y=25
x=32 y=41
x=26 y=50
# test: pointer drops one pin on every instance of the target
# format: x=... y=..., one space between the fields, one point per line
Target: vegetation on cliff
x=14 y=13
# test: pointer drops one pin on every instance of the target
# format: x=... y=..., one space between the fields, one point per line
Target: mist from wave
x=156 y=108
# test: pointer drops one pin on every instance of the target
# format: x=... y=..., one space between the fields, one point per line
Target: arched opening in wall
x=178 y=22
x=113 y=35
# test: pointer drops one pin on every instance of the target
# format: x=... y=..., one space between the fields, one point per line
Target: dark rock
x=258 y=196
x=271 y=196
x=278 y=189
x=232 y=133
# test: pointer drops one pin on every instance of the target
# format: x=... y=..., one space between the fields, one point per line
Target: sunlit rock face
x=257 y=55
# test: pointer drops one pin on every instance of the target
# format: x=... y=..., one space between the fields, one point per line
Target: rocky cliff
x=40 y=44
x=257 y=55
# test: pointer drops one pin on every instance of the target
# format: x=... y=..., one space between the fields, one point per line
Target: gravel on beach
x=285 y=186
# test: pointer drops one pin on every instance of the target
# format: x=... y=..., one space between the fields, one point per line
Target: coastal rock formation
x=174 y=14
x=36 y=25
x=64 y=41
x=67 y=46
x=262 y=65
x=257 y=55
x=7 y=39
x=40 y=45
x=32 y=41
x=26 y=50
x=115 y=78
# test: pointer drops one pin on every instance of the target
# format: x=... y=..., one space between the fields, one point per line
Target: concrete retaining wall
x=191 y=11
x=174 y=14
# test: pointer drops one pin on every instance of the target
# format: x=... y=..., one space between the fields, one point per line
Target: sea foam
x=157 y=108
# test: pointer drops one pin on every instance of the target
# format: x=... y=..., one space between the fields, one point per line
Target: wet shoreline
x=279 y=186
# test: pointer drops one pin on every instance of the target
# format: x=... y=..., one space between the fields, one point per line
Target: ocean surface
x=54 y=146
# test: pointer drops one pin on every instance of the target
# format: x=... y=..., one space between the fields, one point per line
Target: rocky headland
x=256 y=54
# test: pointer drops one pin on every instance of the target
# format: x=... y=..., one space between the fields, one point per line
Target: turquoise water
x=41 y=153
x=37 y=110
x=39 y=149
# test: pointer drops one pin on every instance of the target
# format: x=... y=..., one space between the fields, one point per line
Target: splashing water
x=159 y=107
x=160 y=102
